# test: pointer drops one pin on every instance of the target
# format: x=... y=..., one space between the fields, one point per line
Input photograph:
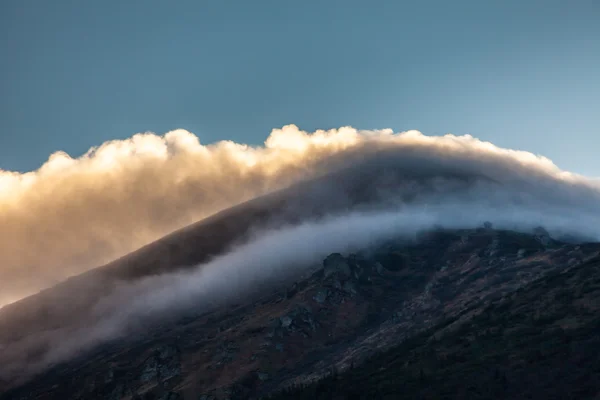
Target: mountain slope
x=367 y=184
x=341 y=315
x=30 y=328
x=541 y=342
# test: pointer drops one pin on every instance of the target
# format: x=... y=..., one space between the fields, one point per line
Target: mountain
x=144 y=326
x=32 y=325
x=455 y=313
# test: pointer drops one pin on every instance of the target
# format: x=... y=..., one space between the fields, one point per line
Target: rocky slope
x=540 y=342
x=449 y=285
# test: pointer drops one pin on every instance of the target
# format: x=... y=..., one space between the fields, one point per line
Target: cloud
x=75 y=214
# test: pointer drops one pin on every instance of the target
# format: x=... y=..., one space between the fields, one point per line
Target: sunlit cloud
x=74 y=214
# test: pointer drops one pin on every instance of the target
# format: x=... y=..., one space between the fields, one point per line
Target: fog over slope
x=357 y=187
x=74 y=214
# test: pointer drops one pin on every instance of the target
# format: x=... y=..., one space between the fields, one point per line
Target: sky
x=521 y=74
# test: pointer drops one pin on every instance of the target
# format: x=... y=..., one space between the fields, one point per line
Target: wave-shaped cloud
x=75 y=214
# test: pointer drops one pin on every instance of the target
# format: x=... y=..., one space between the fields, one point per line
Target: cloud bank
x=75 y=214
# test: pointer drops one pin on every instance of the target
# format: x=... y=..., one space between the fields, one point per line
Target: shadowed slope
x=356 y=306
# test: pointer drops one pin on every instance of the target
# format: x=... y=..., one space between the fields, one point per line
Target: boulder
x=336 y=264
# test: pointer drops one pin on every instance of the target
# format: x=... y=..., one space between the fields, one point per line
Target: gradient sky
x=522 y=74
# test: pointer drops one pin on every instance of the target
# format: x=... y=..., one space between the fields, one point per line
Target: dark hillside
x=541 y=342
x=476 y=313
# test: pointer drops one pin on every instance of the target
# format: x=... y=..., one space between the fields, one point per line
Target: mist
x=74 y=214
x=271 y=259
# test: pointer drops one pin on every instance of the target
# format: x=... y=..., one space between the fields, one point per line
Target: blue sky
x=522 y=74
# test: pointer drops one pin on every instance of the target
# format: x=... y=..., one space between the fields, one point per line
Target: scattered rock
x=110 y=376
x=428 y=287
x=398 y=316
x=542 y=236
x=300 y=320
x=118 y=392
x=291 y=291
x=263 y=376
x=349 y=287
x=226 y=353
x=336 y=264
x=321 y=295
x=379 y=268
x=150 y=371
x=337 y=284
x=493 y=248
x=163 y=365
x=170 y=396
x=286 y=321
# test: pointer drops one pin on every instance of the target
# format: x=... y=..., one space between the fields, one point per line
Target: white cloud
x=75 y=214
